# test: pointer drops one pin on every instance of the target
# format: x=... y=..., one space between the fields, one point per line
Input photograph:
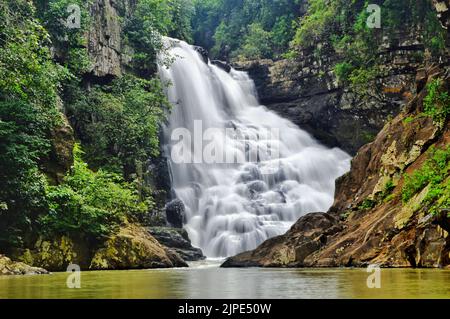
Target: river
x=206 y=280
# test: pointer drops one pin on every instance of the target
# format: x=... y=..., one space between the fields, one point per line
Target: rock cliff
x=367 y=225
x=372 y=221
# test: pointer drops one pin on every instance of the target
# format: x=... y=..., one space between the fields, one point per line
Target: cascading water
x=231 y=208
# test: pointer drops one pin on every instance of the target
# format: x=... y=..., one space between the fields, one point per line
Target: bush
x=119 y=123
x=320 y=17
x=29 y=82
x=257 y=43
x=343 y=71
x=150 y=20
x=434 y=173
x=437 y=102
x=91 y=204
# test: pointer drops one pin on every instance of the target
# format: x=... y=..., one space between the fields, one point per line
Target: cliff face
x=109 y=55
x=371 y=220
x=307 y=92
x=364 y=226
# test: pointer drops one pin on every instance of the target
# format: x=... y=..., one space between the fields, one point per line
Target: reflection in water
x=206 y=280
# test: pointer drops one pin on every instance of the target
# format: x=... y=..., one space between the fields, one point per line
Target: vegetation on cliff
x=45 y=76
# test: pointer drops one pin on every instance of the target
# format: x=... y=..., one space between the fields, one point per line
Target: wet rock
x=203 y=52
x=178 y=240
x=257 y=187
x=222 y=65
x=56 y=254
x=175 y=213
x=9 y=267
x=291 y=249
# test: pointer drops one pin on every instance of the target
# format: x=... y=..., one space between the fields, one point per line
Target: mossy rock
x=134 y=248
x=9 y=267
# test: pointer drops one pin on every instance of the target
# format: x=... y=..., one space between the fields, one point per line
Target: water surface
x=206 y=280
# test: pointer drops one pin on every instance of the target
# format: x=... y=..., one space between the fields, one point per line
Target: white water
x=234 y=208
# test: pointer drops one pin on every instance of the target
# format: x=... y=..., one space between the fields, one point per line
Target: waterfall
x=233 y=207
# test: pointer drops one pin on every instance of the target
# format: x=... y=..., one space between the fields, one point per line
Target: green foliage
x=343 y=70
x=343 y=24
x=223 y=26
x=386 y=195
x=257 y=43
x=29 y=83
x=151 y=20
x=119 y=123
x=90 y=204
x=320 y=17
x=69 y=42
x=367 y=204
x=437 y=102
x=26 y=70
x=408 y=120
x=434 y=173
x=181 y=12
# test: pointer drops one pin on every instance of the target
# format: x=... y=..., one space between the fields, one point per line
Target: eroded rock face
x=308 y=235
x=61 y=156
x=9 y=267
x=107 y=51
x=364 y=226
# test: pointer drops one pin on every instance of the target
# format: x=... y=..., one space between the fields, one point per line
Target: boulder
x=222 y=65
x=178 y=240
x=175 y=213
x=203 y=52
x=9 y=267
x=134 y=248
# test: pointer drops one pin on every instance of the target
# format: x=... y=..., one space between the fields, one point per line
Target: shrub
x=434 y=173
x=119 y=123
x=437 y=102
x=90 y=203
x=257 y=43
x=343 y=70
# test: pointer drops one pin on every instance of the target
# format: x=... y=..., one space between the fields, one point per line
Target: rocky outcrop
x=307 y=92
x=107 y=51
x=308 y=235
x=178 y=240
x=61 y=156
x=9 y=267
x=134 y=248
x=369 y=224
x=175 y=213
x=443 y=12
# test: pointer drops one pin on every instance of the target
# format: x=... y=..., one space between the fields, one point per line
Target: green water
x=206 y=280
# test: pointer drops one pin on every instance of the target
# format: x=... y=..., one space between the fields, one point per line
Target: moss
x=437 y=102
x=434 y=175
x=367 y=204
